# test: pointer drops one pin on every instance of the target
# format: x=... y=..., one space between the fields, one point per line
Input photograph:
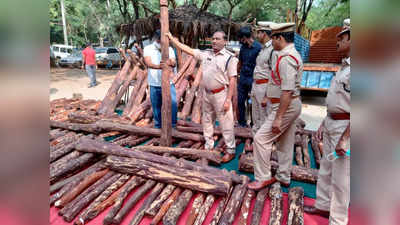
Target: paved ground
x=64 y=82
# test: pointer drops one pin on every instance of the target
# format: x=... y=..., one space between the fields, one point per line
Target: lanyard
x=332 y=156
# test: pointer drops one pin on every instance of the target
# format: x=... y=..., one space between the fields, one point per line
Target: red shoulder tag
x=277 y=80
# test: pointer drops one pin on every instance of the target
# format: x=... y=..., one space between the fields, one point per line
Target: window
x=100 y=50
x=69 y=50
x=112 y=50
x=56 y=49
x=63 y=50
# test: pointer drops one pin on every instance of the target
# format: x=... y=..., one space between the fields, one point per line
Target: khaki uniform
x=290 y=73
x=262 y=71
x=215 y=77
x=333 y=187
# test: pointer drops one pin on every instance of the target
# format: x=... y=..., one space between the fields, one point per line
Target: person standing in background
x=89 y=63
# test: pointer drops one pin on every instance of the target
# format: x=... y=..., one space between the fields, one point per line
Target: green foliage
x=328 y=13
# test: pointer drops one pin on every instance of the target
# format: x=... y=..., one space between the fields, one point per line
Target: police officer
x=283 y=91
x=262 y=72
x=333 y=187
x=218 y=79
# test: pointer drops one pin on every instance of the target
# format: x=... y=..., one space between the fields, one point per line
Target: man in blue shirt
x=247 y=62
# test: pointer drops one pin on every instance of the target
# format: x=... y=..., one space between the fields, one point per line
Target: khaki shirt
x=262 y=69
x=290 y=73
x=213 y=65
x=338 y=99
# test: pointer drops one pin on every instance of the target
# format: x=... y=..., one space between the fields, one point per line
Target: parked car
x=107 y=56
x=61 y=51
x=74 y=60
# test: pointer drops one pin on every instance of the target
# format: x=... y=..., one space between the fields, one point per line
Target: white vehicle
x=61 y=51
x=107 y=56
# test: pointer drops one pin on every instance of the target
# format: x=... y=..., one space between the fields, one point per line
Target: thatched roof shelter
x=187 y=22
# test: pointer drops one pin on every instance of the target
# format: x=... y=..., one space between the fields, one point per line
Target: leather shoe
x=312 y=210
x=228 y=157
x=258 y=185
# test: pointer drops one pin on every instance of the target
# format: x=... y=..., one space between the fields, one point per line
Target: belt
x=215 y=91
x=261 y=81
x=278 y=100
x=339 y=116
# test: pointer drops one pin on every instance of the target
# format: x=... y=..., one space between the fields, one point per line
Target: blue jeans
x=91 y=71
x=243 y=94
x=156 y=103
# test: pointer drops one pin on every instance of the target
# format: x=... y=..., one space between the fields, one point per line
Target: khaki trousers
x=333 y=187
x=265 y=137
x=258 y=112
x=213 y=105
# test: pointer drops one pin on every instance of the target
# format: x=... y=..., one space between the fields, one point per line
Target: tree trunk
x=204 y=210
x=307 y=161
x=106 y=203
x=165 y=207
x=194 y=180
x=130 y=203
x=113 y=90
x=155 y=206
x=276 y=211
x=299 y=156
x=174 y=212
x=89 y=180
x=72 y=209
x=296 y=206
x=102 y=197
x=259 y=206
x=111 y=149
x=131 y=185
x=196 y=206
x=244 y=211
x=140 y=213
x=196 y=111
x=135 y=90
x=233 y=205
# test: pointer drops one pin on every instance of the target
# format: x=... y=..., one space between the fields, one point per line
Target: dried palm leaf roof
x=185 y=21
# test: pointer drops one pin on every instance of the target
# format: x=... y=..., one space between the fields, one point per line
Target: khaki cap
x=264 y=25
x=282 y=27
x=346 y=27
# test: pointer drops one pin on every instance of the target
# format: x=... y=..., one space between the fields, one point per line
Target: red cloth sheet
x=308 y=219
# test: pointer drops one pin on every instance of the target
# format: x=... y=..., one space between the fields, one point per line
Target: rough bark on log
x=130 y=203
x=126 y=140
x=182 y=72
x=121 y=137
x=233 y=205
x=185 y=144
x=64 y=170
x=175 y=211
x=306 y=155
x=86 y=192
x=299 y=173
x=196 y=206
x=66 y=184
x=155 y=206
x=190 y=95
x=68 y=137
x=165 y=206
x=91 y=128
x=141 y=211
x=204 y=210
x=140 y=110
x=135 y=89
x=315 y=148
x=89 y=180
x=108 y=134
x=64 y=160
x=97 y=146
x=239 y=132
x=104 y=125
x=220 y=208
x=259 y=206
x=54 y=155
x=75 y=208
x=56 y=133
x=276 y=211
x=184 y=83
x=81 y=117
x=112 y=91
x=196 y=111
x=296 y=206
x=102 y=197
x=132 y=184
x=103 y=205
x=195 y=180
x=182 y=152
x=299 y=156
x=248 y=146
x=244 y=211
